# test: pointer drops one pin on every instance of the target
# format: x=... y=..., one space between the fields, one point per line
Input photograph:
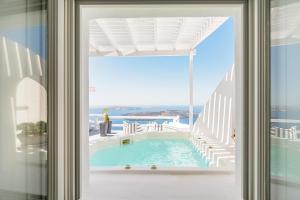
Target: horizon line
x=145 y=105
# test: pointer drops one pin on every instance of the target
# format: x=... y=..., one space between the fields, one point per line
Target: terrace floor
x=122 y=186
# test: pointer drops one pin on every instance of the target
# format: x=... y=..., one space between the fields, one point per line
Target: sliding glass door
x=23 y=99
x=285 y=99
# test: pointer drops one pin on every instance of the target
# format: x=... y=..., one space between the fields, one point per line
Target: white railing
x=288 y=121
x=147 y=127
x=129 y=128
x=288 y=133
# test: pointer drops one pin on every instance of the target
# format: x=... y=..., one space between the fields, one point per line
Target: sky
x=133 y=81
x=32 y=37
x=285 y=70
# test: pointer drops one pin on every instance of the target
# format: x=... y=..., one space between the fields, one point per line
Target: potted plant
x=105 y=126
x=32 y=133
x=105 y=117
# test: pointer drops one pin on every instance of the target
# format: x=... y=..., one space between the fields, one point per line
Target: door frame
x=55 y=99
x=259 y=45
x=64 y=157
x=235 y=10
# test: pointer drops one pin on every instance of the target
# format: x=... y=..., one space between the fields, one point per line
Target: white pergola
x=155 y=36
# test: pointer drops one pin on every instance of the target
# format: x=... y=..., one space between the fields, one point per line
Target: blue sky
x=135 y=81
x=33 y=37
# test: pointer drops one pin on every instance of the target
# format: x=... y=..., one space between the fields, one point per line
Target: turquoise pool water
x=285 y=161
x=144 y=153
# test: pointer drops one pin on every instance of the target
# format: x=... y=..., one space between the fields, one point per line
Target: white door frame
x=62 y=76
x=235 y=10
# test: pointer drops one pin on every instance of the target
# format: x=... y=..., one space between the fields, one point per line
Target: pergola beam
x=145 y=53
x=108 y=36
x=155 y=33
x=151 y=36
x=131 y=33
x=181 y=28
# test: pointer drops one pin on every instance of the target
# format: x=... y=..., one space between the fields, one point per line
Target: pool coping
x=162 y=170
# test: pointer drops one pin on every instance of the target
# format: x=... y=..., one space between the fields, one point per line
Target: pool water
x=144 y=153
x=285 y=162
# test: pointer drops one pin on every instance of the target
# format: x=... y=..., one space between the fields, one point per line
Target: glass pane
x=285 y=100
x=23 y=99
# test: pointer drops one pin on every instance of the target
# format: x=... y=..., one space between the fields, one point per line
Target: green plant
x=105 y=115
x=42 y=126
x=30 y=128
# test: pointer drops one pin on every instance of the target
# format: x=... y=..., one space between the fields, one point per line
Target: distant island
x=180 y=113
x=284 y=108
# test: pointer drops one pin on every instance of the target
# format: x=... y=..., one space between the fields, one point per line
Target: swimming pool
x=147 y=152
x=285 y=161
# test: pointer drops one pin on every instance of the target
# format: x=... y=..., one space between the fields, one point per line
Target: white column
x=191 y=93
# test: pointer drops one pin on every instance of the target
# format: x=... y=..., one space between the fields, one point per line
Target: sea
x=286 y=114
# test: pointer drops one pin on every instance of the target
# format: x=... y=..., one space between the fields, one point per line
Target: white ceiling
x=149 y=36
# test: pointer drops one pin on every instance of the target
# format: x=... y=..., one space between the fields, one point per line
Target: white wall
x=217 y=118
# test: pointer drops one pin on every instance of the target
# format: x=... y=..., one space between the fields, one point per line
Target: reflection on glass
x=285 y=100
x=23 y=100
